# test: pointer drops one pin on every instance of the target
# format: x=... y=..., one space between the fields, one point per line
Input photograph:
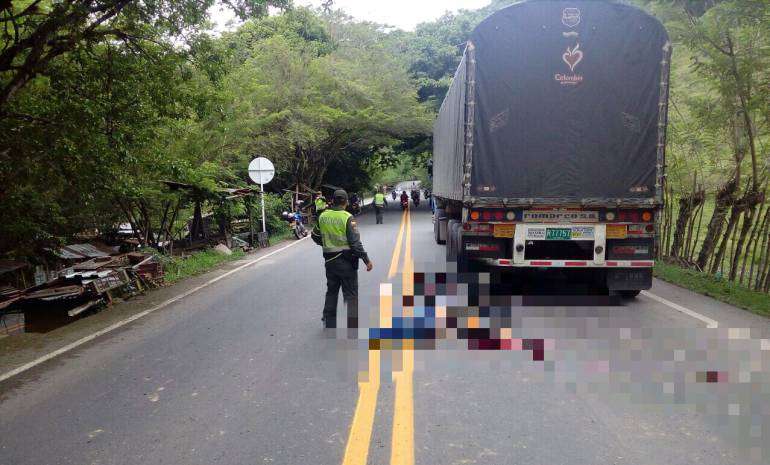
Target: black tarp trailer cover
x=557 y=102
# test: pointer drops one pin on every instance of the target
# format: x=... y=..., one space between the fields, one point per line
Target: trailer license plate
x=558 y=234
x=504 y=230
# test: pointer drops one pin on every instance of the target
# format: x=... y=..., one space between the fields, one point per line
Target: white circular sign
x=261 y=170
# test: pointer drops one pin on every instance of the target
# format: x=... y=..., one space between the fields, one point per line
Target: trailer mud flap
x=629 y=279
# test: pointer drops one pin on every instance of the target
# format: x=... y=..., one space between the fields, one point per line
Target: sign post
x=262 y=171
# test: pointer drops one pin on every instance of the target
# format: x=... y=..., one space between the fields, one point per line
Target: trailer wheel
x=438 y=216
x=451 y=243
x=629 y=294
x=463 y=264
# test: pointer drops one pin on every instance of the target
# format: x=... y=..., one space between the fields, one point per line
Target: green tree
x=35 y=32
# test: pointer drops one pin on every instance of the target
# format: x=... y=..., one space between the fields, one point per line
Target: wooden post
x=251 y=223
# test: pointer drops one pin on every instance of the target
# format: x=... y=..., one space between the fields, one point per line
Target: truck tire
x=451 y=243
x=629 y=294
x=439 y=216
x=463 y=264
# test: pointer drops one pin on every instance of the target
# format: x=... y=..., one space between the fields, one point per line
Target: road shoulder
x=21 y=349
x=728 y=316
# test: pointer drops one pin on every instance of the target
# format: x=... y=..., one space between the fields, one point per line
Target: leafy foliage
x=94 y=130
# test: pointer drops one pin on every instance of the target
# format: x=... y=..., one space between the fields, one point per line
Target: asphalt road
x=241 y=372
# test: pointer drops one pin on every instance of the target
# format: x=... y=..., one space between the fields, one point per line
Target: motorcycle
x=354 y=209
x=394 y=195
x=295 y=223
x=416 y=198
x=404 y=204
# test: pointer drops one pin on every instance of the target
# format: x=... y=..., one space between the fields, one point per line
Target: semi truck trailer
x=549 y=148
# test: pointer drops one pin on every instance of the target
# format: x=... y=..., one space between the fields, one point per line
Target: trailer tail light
x=647 y=216
x=492 y=214
x=629 y=216
x=650 y=228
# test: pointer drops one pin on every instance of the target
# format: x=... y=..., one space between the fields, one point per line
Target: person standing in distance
x=379 y=205
x=320 y=204
x=337 y=232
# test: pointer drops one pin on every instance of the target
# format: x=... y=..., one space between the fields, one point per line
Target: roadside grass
x=282 y=236
x=179 y=268
x=720 y=289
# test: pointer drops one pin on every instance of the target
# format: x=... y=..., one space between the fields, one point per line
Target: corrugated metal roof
x=6 y=266
x=80 y=251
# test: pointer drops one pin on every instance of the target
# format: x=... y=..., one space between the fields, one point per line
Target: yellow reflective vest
x=333 y=225
x=320 y=205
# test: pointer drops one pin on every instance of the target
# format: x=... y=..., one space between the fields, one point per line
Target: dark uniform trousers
x=341 y=272
x=378 y=213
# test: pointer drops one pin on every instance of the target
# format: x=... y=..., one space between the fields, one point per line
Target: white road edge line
x=709 y=322
x=139 y=315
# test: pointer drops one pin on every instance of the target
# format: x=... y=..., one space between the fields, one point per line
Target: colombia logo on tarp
x=572 y=57
x=570 y=17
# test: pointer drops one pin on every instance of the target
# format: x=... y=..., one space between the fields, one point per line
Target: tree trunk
x=764 y=269
x=766 y=274
x=687 y=206
x=665 y=243
x=763 y=238
x=685 y=209
x=751 y=246
x=719 y=258
x=196 y=229
x=748 y=206
x=697 y=231
x=724 y=199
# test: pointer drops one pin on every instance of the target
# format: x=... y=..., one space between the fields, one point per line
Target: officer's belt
x=335 y=255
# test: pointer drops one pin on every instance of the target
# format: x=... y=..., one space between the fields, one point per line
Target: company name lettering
x=568 y=79
x=531 y=216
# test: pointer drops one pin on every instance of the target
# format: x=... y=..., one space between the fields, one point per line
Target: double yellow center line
x=402 y=442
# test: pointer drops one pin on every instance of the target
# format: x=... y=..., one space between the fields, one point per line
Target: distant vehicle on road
x=295 y=223
x=416 y=197
x=354 y=207
x=548 y=150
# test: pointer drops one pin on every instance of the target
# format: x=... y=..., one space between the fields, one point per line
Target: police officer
x=379 y=204
x=337 y=233
x=320 y=204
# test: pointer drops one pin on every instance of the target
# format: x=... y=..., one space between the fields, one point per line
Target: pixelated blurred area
x=592 y=348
